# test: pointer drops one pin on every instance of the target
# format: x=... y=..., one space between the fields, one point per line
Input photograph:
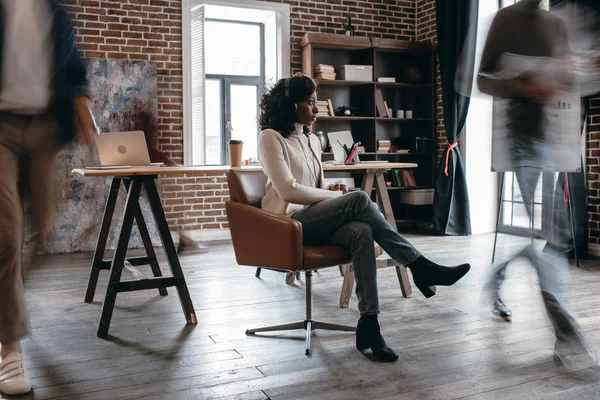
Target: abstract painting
x=125 y=98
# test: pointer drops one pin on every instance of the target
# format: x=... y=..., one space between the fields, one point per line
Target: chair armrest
x=264 y=239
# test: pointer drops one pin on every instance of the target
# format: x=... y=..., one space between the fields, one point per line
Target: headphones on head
x=286 y=85
x=313 y=170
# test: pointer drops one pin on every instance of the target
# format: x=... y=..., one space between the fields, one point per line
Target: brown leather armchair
x=266 y=240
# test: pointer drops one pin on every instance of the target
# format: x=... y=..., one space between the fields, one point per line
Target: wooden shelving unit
x=389 y=58
x=345 y=118
x=324 y=82
x=402 y=119
x=404 y=85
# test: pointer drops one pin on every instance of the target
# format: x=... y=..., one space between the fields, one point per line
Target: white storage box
x=361 y=73
x=417 y=197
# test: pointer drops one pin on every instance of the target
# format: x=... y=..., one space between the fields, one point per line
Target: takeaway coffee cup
x=235 y=152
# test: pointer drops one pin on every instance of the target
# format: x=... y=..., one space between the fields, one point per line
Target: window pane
x=244 y=113
x=514 y=211
x=232 y=49
x=214 y=121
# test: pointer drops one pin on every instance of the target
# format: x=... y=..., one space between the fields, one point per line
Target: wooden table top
x=153 y=170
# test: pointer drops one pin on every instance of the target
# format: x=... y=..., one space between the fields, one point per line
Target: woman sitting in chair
x=291 y=158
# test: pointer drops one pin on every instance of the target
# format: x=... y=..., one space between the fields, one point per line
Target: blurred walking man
x=43 y=105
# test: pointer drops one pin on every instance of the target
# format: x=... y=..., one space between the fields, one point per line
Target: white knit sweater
x=294 y=169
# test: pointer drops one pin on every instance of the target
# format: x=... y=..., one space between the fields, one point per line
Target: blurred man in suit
x=525 y=30
x=44 y=104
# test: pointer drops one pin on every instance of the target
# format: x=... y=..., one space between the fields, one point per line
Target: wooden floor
x=449 y=346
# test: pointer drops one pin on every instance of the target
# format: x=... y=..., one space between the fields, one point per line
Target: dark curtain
x=457 y=33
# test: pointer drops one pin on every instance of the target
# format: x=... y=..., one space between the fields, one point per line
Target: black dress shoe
x=426 y=274
x=500 y=309
x=368 y=335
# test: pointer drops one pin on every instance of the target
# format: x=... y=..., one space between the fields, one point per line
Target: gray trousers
x=27 y=153
x=551 y=267
x=352 y=221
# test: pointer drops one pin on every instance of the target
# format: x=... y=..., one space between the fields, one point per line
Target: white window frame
x=283 y=44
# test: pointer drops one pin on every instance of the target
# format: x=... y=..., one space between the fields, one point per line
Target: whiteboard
x=561 y=146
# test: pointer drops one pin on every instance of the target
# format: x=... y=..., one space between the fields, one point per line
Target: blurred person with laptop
x=528 y=34
x=44 y=105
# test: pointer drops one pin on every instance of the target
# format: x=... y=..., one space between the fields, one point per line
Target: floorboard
x=450 y=347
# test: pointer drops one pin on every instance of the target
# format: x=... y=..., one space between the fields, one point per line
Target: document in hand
x=561 y=144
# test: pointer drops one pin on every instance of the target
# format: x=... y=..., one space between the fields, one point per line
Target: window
x=231 y=49
x=545 y=4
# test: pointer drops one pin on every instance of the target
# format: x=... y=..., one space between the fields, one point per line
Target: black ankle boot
x=426 y=274
x=368 y=336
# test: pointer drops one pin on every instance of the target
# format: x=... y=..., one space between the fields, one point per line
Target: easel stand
x=531 y=218
x=133 y=186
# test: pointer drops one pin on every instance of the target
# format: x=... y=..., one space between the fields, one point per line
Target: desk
x=373 y=178
x=134 y=179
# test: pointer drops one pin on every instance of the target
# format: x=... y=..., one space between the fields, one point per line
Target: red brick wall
x=151 y=30
x=593 y=171
x=426 y=30
x=392 y=19
x=139 y=30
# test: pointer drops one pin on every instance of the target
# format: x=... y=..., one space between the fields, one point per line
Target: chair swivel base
x=308 y=325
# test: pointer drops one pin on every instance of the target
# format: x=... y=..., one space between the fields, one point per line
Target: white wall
x=482 y=183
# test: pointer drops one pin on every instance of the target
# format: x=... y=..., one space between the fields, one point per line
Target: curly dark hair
x=277 y=111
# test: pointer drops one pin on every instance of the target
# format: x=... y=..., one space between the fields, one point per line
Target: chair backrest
x=247 y=187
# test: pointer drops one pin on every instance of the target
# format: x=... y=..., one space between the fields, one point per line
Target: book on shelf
x=325 y=72
x=396 y=178
x=387 y=109
x=408 y=178
x=386 y=79
x=382 y=110
x=324 y=67
x=325 y=77
x=325 y=108
x=330 y=107
x=383 y=146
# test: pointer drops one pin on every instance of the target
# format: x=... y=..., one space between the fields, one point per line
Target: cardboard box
x=360 y=73
x=417 y=197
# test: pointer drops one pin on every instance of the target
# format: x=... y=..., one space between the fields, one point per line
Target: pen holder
x=351 y=154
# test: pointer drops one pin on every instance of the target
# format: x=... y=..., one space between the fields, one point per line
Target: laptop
x=122 y=150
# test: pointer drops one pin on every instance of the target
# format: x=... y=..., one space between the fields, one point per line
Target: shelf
x=325 y=82
x=404 y=154
x=366 y=153
x=410 y=188
x=391 y=45
x=402 y=119
x=395 y=188
x=388 y=58
x=330 y=82
x=404 y=85
x=345 y=118
x=342 y=42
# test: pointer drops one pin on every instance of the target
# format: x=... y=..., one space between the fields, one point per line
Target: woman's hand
x=338 y=187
